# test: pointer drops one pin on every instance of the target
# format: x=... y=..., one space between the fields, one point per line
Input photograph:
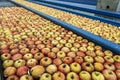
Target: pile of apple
x=104 y=30
x=32 y=47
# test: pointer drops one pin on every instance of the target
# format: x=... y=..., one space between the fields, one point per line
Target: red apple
x=24 y=51
x=80 y=53
x=68 y=60
x=38 y=56
x=14 y=77
x=64 y=68
x=71 y=54
x=22 y=70
x=55 y=49
x=78 y=59
x=117 y=72
x=34 y=50
x=17 y=56
x=57 y=61
x=109 y=66
x=9 y=71
x=109 y=75
x=87 y=66
x=90 y=53
x=51 y=55
x=45 y=51
x=117 y=65
x=65 y=49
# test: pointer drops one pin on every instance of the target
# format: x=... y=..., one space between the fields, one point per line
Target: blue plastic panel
x=81 y=7
x=96 y=39
x=109 y=21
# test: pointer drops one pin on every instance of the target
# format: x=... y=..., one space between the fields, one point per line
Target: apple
x=8 y=63
x=45 y=61
x=99 y=53
x=55 y=49
x=71 y=54
x=89 y=59
x=75 y=67
x=51 y=68
x=22 y=70
x=13 y=46
x=51 y=55
x=55 y=42
x=99 y=59
x=72 y=76
x=64 y=68
x=61 y=54
x=46 y=76
x=26 y=77
x=17 y=56
x=45 y=51
x=14 y=51
x=117 y=72
x=91 y=53
x=31 y=62
x=98 y=47
x=58 y=76
x=83 y=49
x=98 y=66
x=9 y=71
x=5 y=56
x=68 y=60
x=13 y=77
x=109 y=74
x=59 y=46
x=37 y=71
x=24 y=51
x=109 y=59
x=116 y=58
x=65 y=49
x=21 y=46
x=57 y=61
x=4 y=46
x=97 y=76
x=40 y=46
x=19 y=62
x=62 y=41
x=5 y=51
x=87 y=66
x=69 y=45
x=28 y=56
x=84 y=75
x=108 y=53
x=117 y=65
x=80 y=53
x=78 y=59
x=74 y=49
x=109 y=66
x=34 y=50
x=90 y=48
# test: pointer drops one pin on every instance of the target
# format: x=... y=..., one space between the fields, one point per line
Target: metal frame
x=109 y=21
x=96 y=39
x=78 y=7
